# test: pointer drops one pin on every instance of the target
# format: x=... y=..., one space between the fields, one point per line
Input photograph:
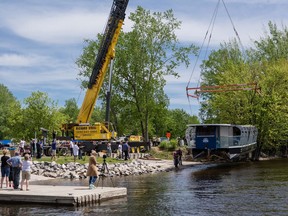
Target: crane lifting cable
x=210 y=29
x=218 y=88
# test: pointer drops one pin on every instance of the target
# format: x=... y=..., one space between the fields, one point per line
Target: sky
x=41 y=40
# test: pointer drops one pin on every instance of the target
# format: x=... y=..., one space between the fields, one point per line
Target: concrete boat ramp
x=61 y=195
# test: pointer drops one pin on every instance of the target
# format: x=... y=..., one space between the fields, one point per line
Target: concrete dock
x=61 y=195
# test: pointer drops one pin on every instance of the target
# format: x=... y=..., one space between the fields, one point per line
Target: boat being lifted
x=237 y=142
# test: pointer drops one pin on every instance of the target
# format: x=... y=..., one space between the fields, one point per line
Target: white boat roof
x=193 y=125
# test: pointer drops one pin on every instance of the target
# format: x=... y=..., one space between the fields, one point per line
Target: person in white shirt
x=75 y=151
x=120 y=150
x=21 y=147
x=26 y=171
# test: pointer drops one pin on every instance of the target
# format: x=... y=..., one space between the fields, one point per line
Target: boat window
x=204 y=131
x=236 y=131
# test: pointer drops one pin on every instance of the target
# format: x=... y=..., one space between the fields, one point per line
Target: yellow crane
x=82 y=130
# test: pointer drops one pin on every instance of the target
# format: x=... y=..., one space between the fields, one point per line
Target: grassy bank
x=84 y=160
x=161 y=152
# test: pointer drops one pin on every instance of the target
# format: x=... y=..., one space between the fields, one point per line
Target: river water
x=250 y=188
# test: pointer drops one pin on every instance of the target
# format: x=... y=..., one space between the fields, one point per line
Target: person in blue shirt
x=53 y=150
x=125 y=149
x=16 y=164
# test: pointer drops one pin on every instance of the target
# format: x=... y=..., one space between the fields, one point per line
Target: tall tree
x=223 y=67
x=273 y=45
x=41 y=111
x=10 y=115
x=143 y=57
x=265 y=64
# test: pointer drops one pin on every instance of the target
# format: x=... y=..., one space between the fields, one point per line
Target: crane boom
x=81 y=130
x=105 y=54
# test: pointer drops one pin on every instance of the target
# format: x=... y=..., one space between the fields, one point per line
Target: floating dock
x=61 y=195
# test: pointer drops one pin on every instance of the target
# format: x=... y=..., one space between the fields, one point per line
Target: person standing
x=16 y=164
x=26 y=171
x=39 y=149
x=120 y=150
x=71 y=147
x=53 y=150
x=5 y=168
x=75 y=151
x=175 y=159
x=92 y=170
x=11 y=177
x=80 y=152
x=32 y=147
x=179 y=153
x=21 y=147
x=109 y=149
x=126 y=149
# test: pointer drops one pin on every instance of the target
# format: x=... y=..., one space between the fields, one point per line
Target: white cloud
x=37 y=78
x=64 y=27
x=22 y=60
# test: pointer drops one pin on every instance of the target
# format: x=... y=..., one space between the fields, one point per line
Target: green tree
x=227 y=66
x=41 y=111
x=10 y=115
x=98 y=114
x=273 y=46
x=266 y=64
x=179 y=119
x=70 y=109
x=271 y=105
x=143 y=57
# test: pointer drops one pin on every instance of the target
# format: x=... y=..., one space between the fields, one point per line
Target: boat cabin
x=232 y=139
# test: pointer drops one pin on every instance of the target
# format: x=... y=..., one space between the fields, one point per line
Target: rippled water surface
x=252 y=188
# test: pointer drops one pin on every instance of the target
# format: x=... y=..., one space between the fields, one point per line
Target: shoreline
x=148 y=166
x=134 y=167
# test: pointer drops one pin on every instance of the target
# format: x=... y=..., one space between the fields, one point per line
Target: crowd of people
x=123 y=150
x=15 y=166
x=11 y=169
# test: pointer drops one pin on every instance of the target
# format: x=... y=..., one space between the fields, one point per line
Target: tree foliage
x=265 y=64
x=144 y=56
x=10 y=117
x=178 y=121
x=41 y=112
x=71 y=110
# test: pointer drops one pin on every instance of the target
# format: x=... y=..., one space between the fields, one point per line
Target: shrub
x=163 y=145
x=168 y=145
x=172 y=145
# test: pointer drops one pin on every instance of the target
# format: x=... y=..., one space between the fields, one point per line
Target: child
x=5 y=168
x=26 y=171
x=92 y=170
